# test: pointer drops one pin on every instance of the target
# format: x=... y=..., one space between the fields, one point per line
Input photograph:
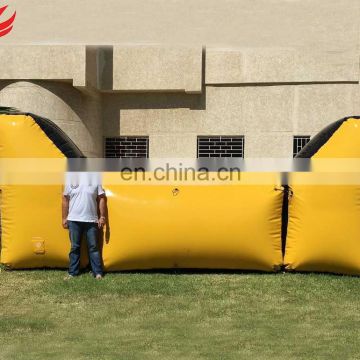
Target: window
x=220 y=146
x=299 y=142
x=127 y=147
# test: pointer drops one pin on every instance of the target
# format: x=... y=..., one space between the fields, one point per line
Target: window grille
x=299 y=142
x=127 y=147
x=220 y=146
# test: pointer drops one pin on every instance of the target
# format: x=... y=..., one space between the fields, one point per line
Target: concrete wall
x=312 y=24
x=173 y=94
x=78 y=114
x=157 y=68
x=237 y=66
x=268 y=116
x=43 y=63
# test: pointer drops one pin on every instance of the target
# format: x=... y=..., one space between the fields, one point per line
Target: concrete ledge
x=157 y=68
x=228 y=66
x=44 y=63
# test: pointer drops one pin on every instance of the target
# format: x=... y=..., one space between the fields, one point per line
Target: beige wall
x=173 y=94
x=43 y=63
x=264 y=65
x=157 y=68
x=314 y=24
x=79 y=115
x=268 y=116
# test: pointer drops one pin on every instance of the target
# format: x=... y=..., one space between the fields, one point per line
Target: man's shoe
x=68 y=277
x=98 y=277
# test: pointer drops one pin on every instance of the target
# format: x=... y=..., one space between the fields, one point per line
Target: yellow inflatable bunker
x=30 y=214
x=202 y=226
x=324 y=210
x=232 y=226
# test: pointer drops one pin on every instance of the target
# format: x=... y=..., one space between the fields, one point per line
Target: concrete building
x=288 y=68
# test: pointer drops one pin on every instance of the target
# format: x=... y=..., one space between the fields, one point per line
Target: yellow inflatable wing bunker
x=32 y=235
x=236 y=226
x=199 y=226
x=324 y=211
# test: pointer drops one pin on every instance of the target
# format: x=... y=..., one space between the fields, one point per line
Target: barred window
x=299 y=142
x=220 y=146
x=127 y=147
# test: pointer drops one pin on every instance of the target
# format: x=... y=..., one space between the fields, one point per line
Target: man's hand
x=65 y=211
x=101 y=222
x=102 y=210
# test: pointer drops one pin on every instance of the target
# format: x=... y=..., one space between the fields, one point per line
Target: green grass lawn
x=179 y=316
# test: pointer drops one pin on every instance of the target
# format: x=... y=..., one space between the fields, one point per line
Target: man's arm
x=65 y=211
x=102 y=210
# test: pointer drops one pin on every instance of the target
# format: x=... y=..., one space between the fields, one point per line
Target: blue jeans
x=76 y=230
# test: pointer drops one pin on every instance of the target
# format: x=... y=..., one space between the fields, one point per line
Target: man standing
x=84 y=213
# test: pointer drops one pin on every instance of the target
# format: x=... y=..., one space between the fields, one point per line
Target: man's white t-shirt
x=82 y=202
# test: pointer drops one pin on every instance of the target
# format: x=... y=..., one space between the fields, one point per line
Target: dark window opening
x=220 y=146
x=299 y=142
x=127 y=147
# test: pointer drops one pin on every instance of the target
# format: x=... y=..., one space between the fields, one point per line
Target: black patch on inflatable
x=321 y=138
x=284 y=217
x=52 y=131
x=58 y=137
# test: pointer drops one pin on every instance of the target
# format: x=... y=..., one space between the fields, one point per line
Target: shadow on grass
x=185 y=271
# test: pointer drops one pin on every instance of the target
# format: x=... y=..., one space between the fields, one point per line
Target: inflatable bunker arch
x=323 y=231
x=236 y=226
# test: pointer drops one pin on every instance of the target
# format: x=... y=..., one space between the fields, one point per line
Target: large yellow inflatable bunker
x=234 y=226
x=31 y=234
x=324 y=210
x=202 y=226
